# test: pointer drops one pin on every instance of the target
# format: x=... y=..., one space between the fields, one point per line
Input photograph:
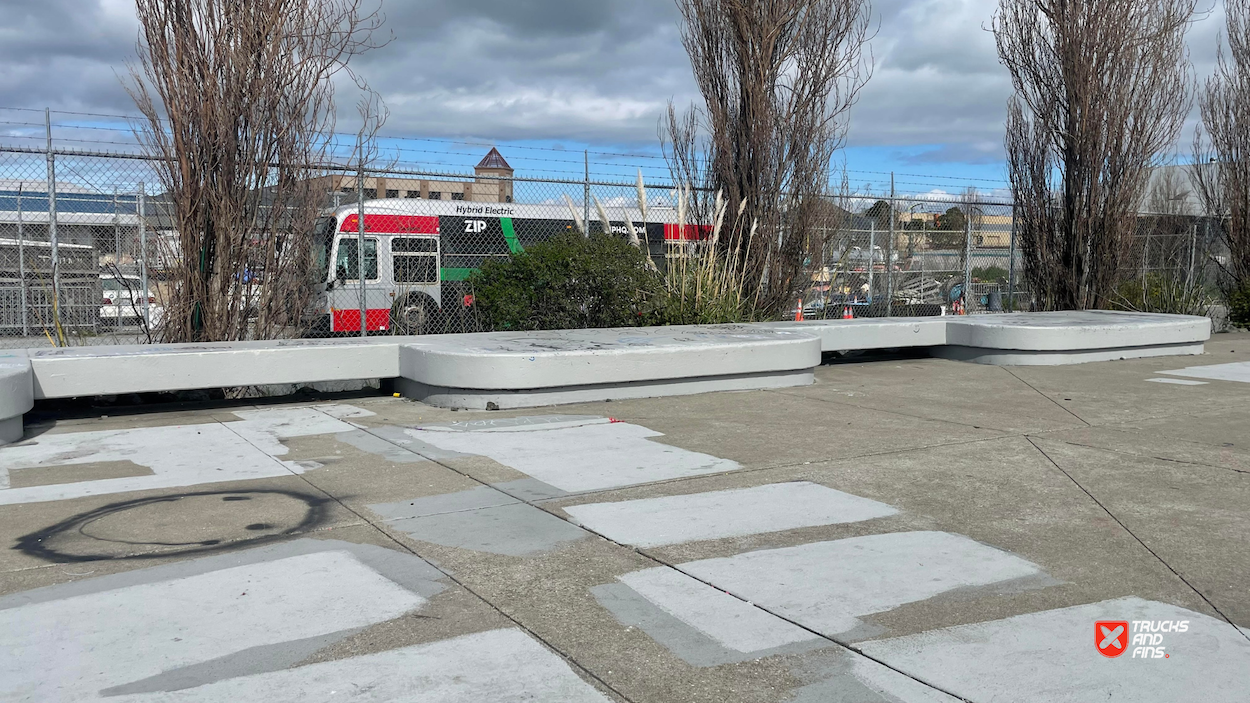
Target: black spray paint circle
x=42 y=543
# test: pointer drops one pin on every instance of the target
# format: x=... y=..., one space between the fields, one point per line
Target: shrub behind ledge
x=567 y=282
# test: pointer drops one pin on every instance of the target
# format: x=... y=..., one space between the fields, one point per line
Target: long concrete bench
x=527 y=369
x=524 y=369
x=89 y=371
x=1052 y=338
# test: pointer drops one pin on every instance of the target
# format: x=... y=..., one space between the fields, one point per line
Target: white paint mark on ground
x=497 y=665
x=827 y=586
x=731 y=622
x=652 y=522
x=70 y=649
x=1051 y=656
x=1176 y=381
x=1239 y=372
x=588 y=456
x=178 y=455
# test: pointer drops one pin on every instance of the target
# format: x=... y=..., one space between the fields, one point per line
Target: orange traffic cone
x=798 y=313
x=847 y=314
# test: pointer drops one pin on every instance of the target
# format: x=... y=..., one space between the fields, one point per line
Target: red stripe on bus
x=691 y=233
x=393 y=224
x=376 y=320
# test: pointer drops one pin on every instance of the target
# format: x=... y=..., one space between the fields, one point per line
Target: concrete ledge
x=506 y=361
x=1010 y=357
x=17 y=393
x=870 y=332
x=473 y=399
x=1075 y=330
x=88 y=371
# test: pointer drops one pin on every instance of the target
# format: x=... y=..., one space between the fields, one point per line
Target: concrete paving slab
x=966 y=394
x=1115 y=392
x=1051 y=655
x=651 y=522
x=1167 y=439
x=990 y=487
x=829 y=586
x=766 y=429
x=1194 y=517
x=516 y=529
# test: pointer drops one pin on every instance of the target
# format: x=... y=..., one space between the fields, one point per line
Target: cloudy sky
x=575 y=74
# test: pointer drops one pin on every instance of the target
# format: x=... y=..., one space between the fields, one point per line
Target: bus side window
x=346 y=265
x=415 y=259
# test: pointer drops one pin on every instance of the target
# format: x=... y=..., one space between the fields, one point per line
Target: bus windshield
x=323 y=236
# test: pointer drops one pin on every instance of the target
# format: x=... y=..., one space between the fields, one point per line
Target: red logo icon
x=1111 y=637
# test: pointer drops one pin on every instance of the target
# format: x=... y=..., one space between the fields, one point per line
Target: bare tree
x=1222 y=158
x=1101 y=92
x=238 y=109
x=777 y=79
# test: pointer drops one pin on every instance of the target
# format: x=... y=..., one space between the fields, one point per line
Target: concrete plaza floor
x=903 y=530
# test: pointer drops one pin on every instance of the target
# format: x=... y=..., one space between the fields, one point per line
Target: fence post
x=1011 y=263
x=360 y=246
x=117 y=258
x=872 y=256
x=889 y=255
x=143 y=261
x=52 y=238
x=586 y=194
x=968 y=259
x=21 y=264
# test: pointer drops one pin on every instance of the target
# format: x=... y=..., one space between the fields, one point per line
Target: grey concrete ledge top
x=562 y=358
x=1067 y=331
x=120 y=350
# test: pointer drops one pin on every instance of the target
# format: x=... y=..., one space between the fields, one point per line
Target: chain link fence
x=87 y=244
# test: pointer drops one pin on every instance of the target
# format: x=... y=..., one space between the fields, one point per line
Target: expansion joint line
x=386 y=533
x=1052 y=400
x=1139 y=540
x=645 y=555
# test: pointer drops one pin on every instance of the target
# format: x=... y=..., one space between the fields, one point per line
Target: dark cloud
x=598 y=71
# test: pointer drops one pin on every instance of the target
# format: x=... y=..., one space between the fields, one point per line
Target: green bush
x=567 y=282
x=989 y=273
x=1239 y=305
x=1162 y=294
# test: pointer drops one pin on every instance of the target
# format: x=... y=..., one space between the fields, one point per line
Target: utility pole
x=586 y=194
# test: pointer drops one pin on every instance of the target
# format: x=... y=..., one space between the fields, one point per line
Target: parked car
x=123 y=301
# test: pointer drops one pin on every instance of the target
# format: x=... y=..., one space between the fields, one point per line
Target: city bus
x=419 y=254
